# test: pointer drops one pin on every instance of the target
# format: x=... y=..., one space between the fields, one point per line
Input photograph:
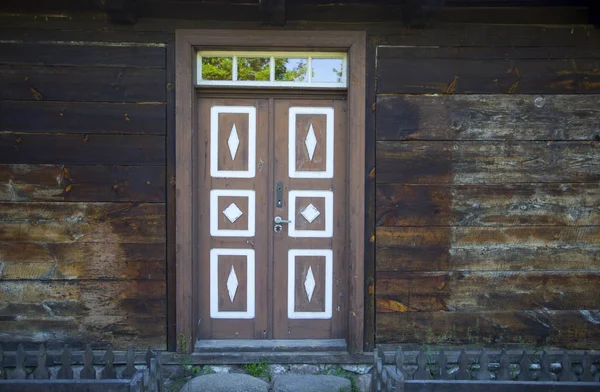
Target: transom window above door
x=271 y=69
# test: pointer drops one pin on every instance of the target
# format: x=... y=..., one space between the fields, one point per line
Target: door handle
x=279 y=220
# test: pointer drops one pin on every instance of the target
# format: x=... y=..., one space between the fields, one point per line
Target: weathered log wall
x=487 y=199
x=83 y=127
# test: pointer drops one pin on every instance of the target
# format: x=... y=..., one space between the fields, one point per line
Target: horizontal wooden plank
x=563 y=328
x=486 y=291
x=488 y=117
x=88 y=149
x=116 y=312
x=82 y=54
x=488 y=205
x=107 y=223
x=86 y=261
x=496 y=35
x=488 y=52
x=82 y=183
x=85 y=34
x=423 y=76
x=82 y=84
x=436 y=162
x=82 y=117
x=488 y=248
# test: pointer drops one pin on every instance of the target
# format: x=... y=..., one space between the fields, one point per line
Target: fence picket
x=421 y=372
x=65 y=372
x=525 y=365
x=2 y=370
x=483 y=374
x=567 y=370
x=545 y=364
x=504 y=370
x=442 y=371
x=130 y=369
x=108 y=372
x=41 y=372
x=20 y=373
x=88 y=372
x=586 y=364
x=463 y=366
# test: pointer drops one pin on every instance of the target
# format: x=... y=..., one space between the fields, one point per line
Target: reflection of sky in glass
x=326 y=70
x=290 y=69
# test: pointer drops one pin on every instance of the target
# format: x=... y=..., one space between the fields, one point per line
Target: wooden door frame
x=186 y=43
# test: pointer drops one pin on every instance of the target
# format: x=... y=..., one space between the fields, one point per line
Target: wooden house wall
x=487 y=187
x=82 y=185
x=482 y=187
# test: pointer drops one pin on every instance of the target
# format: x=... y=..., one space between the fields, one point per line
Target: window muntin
x=272 y=69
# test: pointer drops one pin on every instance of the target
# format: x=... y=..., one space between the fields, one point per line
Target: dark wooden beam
x=119 y=11
x=417 y=13
x=594 y=13
x=272 y=12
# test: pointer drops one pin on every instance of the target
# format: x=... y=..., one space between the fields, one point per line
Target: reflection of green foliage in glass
x=254 y=68
x=217 y=68
x=296 y=74
x=220 y=68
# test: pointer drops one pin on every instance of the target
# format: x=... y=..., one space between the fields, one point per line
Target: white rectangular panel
x=214 y=284
x=292 y=159
x=292 y=254
x=215 y=213
x=328 y=231
x=214 y=142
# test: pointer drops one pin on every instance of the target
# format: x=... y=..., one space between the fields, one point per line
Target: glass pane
x=291 y=70
x=217 y=68
x=327 y=70
x=257 y=68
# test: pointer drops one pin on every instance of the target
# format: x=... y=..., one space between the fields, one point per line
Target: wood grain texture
x=85 y=261
x=487 y=163
x=82 y=149
x=544 y=248
x=81 y=54
x=19 y=183
x=82 y=117
x=104 y=84
x=115 y=312
x=82 y=222
x=561 y=204
x=501 y=76
x=486 y=291
x=489 y=52
x=563 y=328
x=488 y=117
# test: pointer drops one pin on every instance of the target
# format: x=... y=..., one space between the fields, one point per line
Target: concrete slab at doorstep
x=229 y=382
x=310 y=383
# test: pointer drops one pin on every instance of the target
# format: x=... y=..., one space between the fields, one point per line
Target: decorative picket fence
x=19 y=371
x=431 y=372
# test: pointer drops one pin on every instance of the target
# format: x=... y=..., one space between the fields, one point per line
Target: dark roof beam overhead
x=272 y=12
x=119 y=11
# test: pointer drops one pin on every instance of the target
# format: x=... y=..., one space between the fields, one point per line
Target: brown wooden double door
x=258 y=276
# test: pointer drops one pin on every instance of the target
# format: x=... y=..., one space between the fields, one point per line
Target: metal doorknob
x=279 y=219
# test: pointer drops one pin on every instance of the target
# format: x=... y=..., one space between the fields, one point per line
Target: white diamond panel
x=232 y=283
x=232 y=212
x=310 y=213
x=233 y=142
x=310 y=142
x=309 y=283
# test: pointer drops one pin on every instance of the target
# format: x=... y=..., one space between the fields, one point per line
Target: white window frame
x=271 y=82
